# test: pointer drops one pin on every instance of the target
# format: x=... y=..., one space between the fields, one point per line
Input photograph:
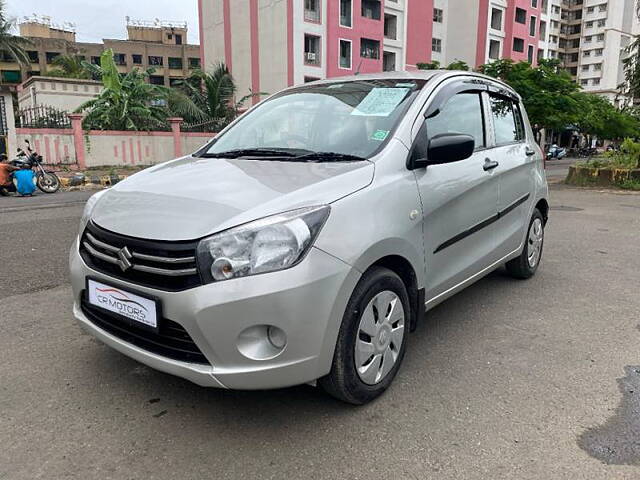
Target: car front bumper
x=307 y=302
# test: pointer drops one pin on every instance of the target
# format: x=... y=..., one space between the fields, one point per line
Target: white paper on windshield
x=381 y=102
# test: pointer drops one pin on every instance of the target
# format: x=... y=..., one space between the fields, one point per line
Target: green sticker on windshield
x=380 y=135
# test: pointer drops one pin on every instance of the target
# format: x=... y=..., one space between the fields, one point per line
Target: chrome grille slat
x=100 y=244
x=163 y=271
x=102 y=256
x=153 y=258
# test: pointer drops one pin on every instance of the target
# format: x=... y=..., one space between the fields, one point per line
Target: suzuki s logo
x=124 y=259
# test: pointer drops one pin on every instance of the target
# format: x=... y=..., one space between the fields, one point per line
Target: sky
x=98 y=19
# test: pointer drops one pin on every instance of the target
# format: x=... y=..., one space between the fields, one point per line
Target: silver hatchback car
x=307 y=240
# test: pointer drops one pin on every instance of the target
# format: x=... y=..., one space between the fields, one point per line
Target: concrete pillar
x=177 y=136
x=78 y=138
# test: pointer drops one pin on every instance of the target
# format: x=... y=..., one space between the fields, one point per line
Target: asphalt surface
x=534 y=379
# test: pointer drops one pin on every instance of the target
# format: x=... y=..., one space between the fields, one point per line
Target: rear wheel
x=48 y=182
x=527 y=263
x=372 y=339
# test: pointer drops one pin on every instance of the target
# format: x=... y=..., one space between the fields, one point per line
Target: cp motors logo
x=124 y=259
x=120 y=302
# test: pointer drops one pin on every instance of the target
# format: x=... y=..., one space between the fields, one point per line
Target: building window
x=494 y=49
x=597 y=67
x=120 y=58
x=175 y=82
x=534 y=3
x=137 y=59
x=437 y=15
x=156 y=79
x=596 y=81
x=598 y=52
x=312 y=11
x=95 y=60
x=521 y=16
x=496 y=19
x=532 y=26
x=530 y=54
x=346 y=13
x=11 y=76
x=311 y=50
x=345 y=54
x=390 y=26
x=371 y=9
x=588 y=25
x=156 y=61
x=602 y=23
x=436 y=45
x=51 y=56
x=586 y=53
x=175 y=63
x=518 y=45
x=585 y=68
x=369 y=48
x=388 y=62
x=178 y=39
x=543 y=29
x=33 y=56
x=601 y=37
x=584 y=82
x=194 y=62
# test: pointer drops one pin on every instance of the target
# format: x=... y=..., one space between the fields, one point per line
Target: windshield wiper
x=328 y=156
x=256 y=152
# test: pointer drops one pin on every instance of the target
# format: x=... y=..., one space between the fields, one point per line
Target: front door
x=459 y=199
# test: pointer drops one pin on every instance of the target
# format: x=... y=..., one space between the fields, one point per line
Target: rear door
x=459 y=199
x=515 y=171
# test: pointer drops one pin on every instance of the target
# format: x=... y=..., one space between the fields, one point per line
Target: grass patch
x=629 y=185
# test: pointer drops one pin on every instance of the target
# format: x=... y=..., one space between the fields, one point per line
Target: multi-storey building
x=161 y=45
x=269 y=44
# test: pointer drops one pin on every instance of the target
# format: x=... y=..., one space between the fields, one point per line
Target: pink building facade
x=269 y=45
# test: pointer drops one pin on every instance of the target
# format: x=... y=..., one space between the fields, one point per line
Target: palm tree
x=12 y=44
x=208 y=98
x=70 y=66
x=126 y=103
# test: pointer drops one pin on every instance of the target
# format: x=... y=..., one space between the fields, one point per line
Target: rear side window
x=507 y=120
x=461 y=114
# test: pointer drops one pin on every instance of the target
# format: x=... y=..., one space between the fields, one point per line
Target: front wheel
x=48 y=182
x=527 y=263
x=372 y=339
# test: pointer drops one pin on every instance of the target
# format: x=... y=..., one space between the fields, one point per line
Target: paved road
x=557 y=169
x=509 y=379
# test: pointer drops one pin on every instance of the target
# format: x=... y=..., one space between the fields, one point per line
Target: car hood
x=191 y=197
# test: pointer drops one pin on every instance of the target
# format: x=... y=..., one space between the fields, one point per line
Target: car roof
x=411 y=75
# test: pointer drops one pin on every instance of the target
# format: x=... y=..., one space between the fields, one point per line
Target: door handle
x=489 y=165
x=529 y=152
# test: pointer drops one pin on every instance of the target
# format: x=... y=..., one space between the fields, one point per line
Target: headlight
x=88 y=208
x=265 y=245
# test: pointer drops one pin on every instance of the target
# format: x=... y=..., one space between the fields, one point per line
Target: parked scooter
x=46 y=180
x=556 y=153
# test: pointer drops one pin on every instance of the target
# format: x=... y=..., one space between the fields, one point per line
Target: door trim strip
x=483 y=224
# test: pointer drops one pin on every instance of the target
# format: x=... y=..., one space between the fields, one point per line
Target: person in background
x=25 y=181
x=6 y=182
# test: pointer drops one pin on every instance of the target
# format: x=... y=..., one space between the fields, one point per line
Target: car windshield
x=347 y=119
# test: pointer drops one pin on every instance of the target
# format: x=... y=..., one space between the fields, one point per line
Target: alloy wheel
x=534 y=242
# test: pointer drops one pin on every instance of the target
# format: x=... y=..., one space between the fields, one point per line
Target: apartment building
x=269 y=44
x=274 y=43
x=161 y=45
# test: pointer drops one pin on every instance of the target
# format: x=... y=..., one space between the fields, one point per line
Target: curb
x=601 y=177
x=84 y=180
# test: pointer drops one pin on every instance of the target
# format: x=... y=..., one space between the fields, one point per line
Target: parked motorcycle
x=556 y=153
x=587 y=152
x=47 y=181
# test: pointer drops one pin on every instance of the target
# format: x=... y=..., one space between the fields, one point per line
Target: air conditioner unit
x=311 y=56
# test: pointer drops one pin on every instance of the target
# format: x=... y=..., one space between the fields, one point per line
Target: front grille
x=171 y=341
x=167 y=266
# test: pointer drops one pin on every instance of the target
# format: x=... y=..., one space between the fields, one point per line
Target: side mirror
x=444 y=148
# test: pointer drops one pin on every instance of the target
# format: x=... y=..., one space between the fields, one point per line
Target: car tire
x=367 y=330
x=526 y=265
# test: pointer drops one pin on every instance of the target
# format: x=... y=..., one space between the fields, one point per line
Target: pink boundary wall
x=79 y=149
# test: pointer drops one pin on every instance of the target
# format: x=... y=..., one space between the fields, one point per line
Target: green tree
x=127 y=102
x=14 y=45
x=208 y=98
x=458 y=65
x=70 y=66
x=548 y=91
x=435 y=65
x=599 y=117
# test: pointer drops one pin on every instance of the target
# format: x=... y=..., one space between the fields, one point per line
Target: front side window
x=507 y=120
x=461 y=114
x=350 y=118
